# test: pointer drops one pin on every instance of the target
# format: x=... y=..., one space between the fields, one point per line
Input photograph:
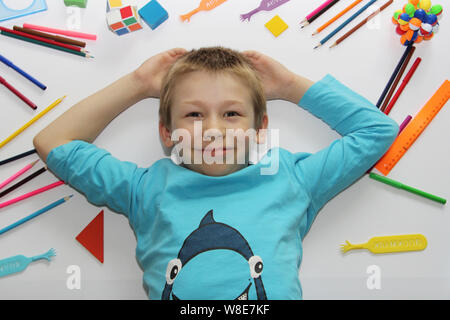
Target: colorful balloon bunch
x=417 y=21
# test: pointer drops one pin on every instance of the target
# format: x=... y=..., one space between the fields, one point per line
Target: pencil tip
x=317 y=46
x=333 y=45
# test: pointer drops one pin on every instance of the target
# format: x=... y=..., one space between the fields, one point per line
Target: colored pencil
x=403 y=85
x=404 y=124
x=340 y=14
x=17 y=157
x=67 y=33
x=34 y=215
x=397 y=68
x=345 y=23
x=402 y=186
x=51 y=36
x=29 y=123
x=46 y=43
x=49 y=41
x=397 y=79
x=23 y=181
x=359 y=25
x=17 y=174
x=23 y=73
x=319 y=13
x=317 y=10
x=30 y=194
x=30 y=103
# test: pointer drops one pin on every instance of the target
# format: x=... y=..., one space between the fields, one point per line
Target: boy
x=213 y=230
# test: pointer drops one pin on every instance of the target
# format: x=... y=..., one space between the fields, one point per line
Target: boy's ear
x=261 y=136
x=165 y=135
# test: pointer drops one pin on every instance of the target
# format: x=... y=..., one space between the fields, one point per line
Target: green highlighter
x=400 y=185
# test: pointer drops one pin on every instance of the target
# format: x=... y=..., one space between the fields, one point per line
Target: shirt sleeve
x=366 y=133
x=102 y=178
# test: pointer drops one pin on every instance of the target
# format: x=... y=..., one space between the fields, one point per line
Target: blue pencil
x=23 y=73
x=34 y=215
x=344 y=24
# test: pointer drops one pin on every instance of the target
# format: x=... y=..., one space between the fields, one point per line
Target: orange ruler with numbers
x=413 y=130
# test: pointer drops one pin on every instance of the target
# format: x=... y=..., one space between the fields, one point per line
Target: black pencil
x=318 y=14
x=19 y=156
x=23 y=181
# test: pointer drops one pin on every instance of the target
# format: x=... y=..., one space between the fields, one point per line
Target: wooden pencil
x=30 y=103
x=51 y=36
x=359 y=25
x=340 y=14
x=397 y=79
x=29 y=123
x=35 y=214
x=17 y=157
x=332 y=33
x=23 y=181
x=319 y=13
x=12 y=35
x=41 y=39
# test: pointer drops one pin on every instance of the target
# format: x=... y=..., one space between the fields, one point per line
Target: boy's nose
x=213 y=127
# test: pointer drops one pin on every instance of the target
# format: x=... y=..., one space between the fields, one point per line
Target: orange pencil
x=340 y=14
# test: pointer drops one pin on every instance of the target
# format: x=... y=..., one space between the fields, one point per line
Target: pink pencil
x=18 y=174
x=68 y=33
x=30 y=194
x=323 y=5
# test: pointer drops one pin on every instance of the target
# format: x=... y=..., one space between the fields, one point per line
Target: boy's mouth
x=214 y=150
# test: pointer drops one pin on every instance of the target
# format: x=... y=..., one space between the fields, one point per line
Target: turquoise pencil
x=34 y=215
x=344 y=23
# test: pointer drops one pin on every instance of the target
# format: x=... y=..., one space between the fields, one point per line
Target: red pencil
x=50 y=41
x=17 y=93
x=402 y=86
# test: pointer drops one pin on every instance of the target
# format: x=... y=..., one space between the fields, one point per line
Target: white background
x=364 y=62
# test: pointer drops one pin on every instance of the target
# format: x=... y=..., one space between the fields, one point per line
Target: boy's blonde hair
x=215 y=60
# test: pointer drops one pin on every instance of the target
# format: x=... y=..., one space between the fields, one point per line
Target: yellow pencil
x=29 y=123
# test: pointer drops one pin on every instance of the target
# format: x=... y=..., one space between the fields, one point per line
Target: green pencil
x=400 y=185
x=12 y=35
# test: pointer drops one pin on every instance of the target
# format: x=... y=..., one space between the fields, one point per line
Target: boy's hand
x=278 y=82
x=151 y=73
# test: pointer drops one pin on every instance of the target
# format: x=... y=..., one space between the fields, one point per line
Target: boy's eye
x=232 y=113
x=193 y=114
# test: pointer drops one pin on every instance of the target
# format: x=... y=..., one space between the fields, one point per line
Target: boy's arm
x=366 y=132
x=87 y=119
x=366 y=135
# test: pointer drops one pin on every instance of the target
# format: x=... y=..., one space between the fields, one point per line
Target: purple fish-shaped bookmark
x=266 y=5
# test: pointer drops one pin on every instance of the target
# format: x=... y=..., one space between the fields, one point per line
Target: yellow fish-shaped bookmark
x=388 y=244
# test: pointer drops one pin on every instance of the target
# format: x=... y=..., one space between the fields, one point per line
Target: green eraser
x=78 y=3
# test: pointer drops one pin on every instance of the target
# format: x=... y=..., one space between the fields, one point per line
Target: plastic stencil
x=7 y=13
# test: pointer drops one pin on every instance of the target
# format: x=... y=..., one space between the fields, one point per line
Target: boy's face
x=216 y=105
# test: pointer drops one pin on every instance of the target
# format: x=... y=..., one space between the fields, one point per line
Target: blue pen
x=34 y=215
x=23 y=73
x=344 y=24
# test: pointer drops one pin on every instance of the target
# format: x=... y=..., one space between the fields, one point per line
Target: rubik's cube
x=124 y=20
x=116 y=4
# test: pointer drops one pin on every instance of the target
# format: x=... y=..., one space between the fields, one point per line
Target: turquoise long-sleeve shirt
x=237 y=236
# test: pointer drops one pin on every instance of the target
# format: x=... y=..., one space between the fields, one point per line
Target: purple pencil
x=404 y=123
